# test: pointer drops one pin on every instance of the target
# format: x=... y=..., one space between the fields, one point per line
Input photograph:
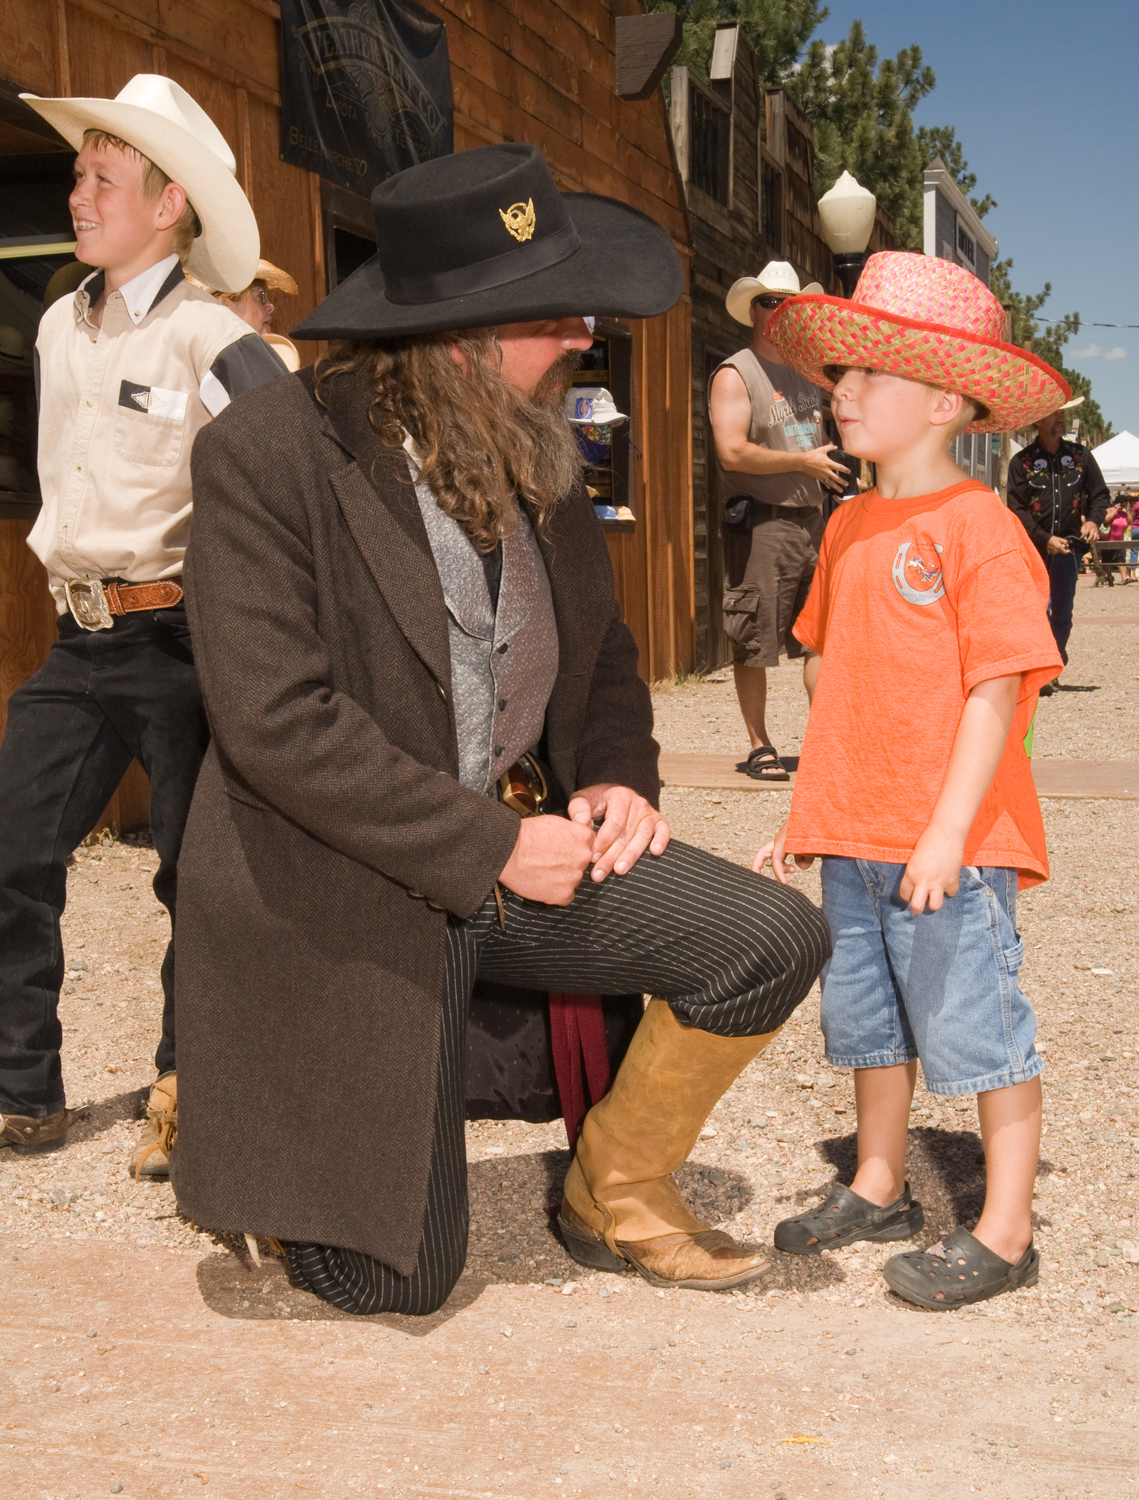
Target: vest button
x=498 y=750
x=501 y=704
x=504 y=647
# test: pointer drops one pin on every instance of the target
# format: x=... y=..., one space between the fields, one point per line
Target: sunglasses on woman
x=769 y=303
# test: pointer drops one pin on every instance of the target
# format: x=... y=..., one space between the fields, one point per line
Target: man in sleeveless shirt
x=772 y=463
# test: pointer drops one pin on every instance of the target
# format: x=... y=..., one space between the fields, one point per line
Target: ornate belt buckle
x=87 y=601
x=523 y=788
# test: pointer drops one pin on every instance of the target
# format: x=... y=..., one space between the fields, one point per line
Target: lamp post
x=847 y=213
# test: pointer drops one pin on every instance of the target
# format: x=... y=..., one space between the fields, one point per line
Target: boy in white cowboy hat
x=131 y=367
x=928 y=614
x=774 y=467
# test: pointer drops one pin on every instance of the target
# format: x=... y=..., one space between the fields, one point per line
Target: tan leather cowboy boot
x=151 y=1155
x=621 y=1205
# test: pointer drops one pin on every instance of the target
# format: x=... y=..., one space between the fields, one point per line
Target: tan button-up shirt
x=120 y=407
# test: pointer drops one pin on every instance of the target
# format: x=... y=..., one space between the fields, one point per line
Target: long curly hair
x=479 y=439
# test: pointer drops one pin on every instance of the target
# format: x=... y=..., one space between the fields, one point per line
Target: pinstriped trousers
x=732 y=952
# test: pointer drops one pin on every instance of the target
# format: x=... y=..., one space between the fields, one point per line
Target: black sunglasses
x=769 y=303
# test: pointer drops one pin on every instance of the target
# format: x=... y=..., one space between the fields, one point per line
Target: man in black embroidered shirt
x=1057 y=491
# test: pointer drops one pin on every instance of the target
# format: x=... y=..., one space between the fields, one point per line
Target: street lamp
x=847 y=214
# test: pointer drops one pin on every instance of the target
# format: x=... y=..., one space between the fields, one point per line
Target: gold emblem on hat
x=519 y=220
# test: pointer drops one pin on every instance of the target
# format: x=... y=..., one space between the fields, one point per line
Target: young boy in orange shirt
x=928 y=623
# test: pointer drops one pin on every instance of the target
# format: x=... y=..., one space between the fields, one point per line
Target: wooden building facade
x=541 y=71
x=746 y=157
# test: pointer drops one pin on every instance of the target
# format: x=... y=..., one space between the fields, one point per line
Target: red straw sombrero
x=927 y=319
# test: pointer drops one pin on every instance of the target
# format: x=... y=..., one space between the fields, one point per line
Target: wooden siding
x=546 y=73
x=535 y=70
x=27 y=612
x=791 y=141
x=728 y=241
x=770 y=215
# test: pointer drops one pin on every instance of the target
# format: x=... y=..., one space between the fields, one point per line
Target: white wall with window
x=953 y=231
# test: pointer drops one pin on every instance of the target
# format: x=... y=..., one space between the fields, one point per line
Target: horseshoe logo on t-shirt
x=927 y=586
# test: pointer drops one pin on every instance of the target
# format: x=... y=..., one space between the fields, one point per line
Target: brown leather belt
x=784 y=512
x=93 y=603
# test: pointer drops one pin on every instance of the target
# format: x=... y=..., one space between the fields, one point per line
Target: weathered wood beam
x=646 y=46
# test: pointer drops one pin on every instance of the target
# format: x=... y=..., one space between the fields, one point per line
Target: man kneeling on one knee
x=411 y=597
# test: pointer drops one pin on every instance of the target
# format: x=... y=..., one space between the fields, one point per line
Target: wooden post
x=59 y=38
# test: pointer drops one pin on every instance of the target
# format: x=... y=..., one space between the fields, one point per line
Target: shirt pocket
x=150 y=424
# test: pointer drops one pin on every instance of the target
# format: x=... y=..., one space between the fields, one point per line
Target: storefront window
x=606 y=444
x=36 y=240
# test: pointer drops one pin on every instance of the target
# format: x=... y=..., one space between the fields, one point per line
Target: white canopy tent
x=1118 y=459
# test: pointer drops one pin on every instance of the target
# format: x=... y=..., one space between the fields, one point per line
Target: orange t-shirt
x=914 y=602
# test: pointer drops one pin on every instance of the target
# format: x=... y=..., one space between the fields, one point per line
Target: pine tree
x=1047 y=341
x=861 y=108
x=862 y=111
x=778 y=30
x=1048 y=344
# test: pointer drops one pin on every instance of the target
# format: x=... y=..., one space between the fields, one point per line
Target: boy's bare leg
x=751 y=690
x=882 y=1097
x=1010 y=1131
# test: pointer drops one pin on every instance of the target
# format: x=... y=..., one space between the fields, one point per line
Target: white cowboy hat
x=588 y=405
x=777 y=279
x=158 y=117
x=1075 y=401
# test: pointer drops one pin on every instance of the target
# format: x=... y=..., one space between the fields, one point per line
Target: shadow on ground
x=514 y=1237
x=102 y=1114
x=946 y=1173
x=232 y=1286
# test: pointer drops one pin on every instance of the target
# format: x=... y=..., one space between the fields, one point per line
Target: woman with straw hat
x=254 y=306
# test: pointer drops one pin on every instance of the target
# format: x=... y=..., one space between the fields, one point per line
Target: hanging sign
x=365 y=88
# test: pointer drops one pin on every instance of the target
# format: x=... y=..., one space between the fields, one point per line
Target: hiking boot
x=151 y=1155
x=26 y=1136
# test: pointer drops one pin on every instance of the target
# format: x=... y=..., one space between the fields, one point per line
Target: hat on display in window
x=592 y=406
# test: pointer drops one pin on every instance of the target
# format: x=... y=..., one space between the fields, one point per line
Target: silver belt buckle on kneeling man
x=87 y=601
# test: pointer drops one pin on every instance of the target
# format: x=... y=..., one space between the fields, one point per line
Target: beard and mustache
x=482 y=445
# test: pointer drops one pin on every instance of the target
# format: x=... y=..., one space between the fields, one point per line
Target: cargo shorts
x=767 y=576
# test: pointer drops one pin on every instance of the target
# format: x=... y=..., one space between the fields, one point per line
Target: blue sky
x=1045 y=101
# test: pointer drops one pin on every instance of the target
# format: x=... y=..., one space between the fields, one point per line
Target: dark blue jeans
x=1063 y=568
x=100 y=699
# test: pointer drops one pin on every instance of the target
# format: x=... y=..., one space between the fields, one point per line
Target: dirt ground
x=146 y=1357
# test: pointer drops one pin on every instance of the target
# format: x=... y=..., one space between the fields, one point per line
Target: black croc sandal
x=844 y=1218
x=957 y=1271
x=763 y=764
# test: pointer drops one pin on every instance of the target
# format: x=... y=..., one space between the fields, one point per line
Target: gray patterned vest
x=504 y=661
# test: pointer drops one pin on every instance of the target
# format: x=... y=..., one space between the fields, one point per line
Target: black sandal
x=844 y=1218
x=957 y=1271
x=763 y=764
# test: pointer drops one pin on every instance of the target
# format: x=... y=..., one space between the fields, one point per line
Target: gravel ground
x=778 y=1138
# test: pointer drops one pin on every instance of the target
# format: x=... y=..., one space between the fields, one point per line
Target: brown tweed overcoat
x=329 y=835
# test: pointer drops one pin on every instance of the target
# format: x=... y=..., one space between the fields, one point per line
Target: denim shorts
x=941 y=987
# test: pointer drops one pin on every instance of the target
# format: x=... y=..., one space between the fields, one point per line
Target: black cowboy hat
x=485 y=237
